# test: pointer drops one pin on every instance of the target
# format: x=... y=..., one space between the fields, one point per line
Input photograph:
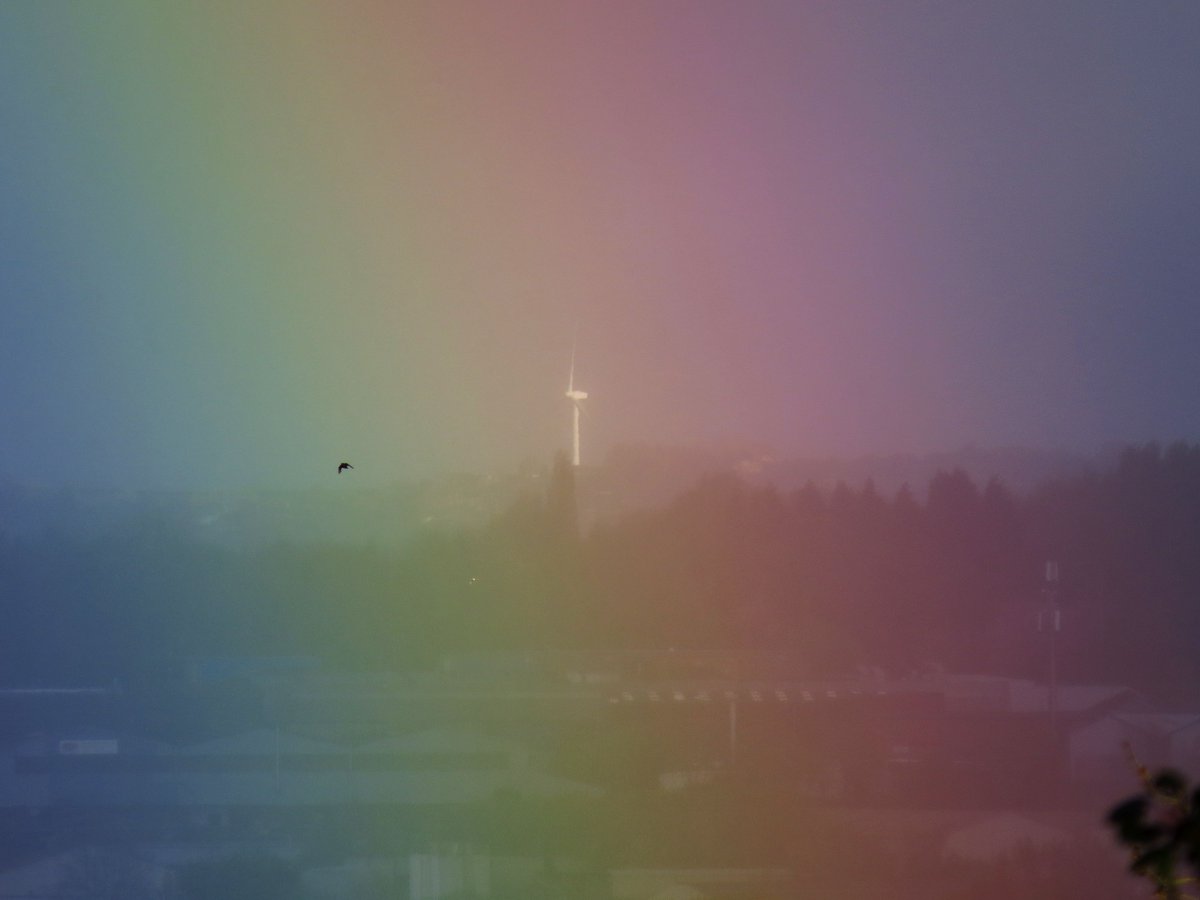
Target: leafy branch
x=1161 y=827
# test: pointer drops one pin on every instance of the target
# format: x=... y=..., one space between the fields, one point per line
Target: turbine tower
x=576 y=397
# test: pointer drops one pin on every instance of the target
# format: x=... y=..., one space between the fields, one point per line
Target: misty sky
x=240 y=242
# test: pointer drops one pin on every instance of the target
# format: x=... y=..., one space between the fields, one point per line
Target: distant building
x=1157 y=740
x=267 y=769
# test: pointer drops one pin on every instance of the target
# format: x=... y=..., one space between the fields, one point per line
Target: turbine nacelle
x=577 y=395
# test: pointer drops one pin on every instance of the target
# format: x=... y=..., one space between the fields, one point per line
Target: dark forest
x=946 y=577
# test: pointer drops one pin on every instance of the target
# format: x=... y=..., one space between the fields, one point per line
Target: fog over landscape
x=238 y=246
x=647 y=451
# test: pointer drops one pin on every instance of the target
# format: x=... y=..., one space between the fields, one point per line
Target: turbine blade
x=571 y=377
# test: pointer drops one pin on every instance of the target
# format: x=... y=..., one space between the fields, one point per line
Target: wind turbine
x=576 y=397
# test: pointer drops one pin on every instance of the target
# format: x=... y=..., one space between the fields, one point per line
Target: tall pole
x=1050 y=620
x=732 y=732
x=575 y=436
x=575 y=397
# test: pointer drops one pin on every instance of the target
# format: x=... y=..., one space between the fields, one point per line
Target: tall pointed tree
x=562 y=505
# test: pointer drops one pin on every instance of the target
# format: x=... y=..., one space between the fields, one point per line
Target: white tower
x=576 y=397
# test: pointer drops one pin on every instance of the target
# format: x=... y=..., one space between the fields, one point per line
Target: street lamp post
x=1050 y=621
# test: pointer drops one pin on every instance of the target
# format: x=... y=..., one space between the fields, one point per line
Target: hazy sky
x=242 y=241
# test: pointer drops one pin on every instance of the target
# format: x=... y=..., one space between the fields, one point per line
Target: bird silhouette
x=344 y=466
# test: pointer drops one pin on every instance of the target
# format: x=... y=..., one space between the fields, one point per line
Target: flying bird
x=344 y=466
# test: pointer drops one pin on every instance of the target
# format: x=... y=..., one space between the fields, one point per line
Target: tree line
x=836 y=578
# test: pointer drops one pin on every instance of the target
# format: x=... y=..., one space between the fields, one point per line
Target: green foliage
x=1161 y=828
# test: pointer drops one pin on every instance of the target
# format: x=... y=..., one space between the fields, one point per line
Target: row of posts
x=1049 y=621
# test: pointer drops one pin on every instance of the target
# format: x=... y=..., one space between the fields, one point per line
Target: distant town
x=663 y=677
